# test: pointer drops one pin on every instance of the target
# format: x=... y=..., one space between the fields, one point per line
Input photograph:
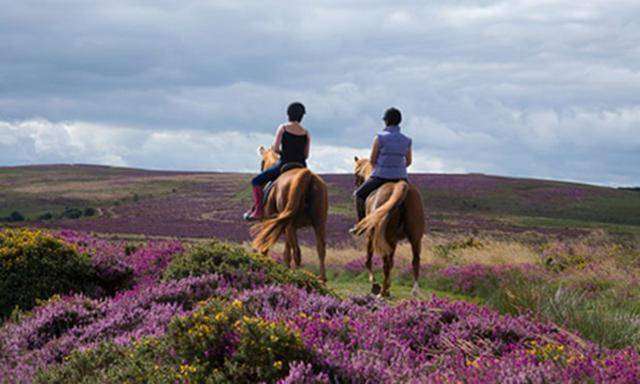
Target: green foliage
x=72 y=213
x=15 y=216
x=219 y=343
x=601 y=319
x=89 y=211
x=34 y=265
x=111 y=363
x=447 y=251
x=224 y=342
x=235 y=263
x=46 y=216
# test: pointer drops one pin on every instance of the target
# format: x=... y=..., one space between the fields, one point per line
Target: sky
x=531 y=88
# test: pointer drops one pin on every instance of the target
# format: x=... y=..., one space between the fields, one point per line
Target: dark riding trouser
x=361 y=194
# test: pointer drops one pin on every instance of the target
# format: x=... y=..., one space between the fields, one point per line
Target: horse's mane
x=364 y=168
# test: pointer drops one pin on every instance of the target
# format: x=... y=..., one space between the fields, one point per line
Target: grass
x=401 y=289
x=549 y=222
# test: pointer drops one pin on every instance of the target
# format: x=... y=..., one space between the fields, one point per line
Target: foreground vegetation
x=166 y=311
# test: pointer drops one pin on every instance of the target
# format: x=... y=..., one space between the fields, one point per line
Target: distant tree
x=72 y=213
x=136 y=197
x=46 y=216
x=15 y=216
x=89 y=211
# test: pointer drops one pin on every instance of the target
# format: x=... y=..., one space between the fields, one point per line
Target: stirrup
x=249 y=216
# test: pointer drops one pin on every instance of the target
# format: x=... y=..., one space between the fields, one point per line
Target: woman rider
x=390 y=157
x=292 y=143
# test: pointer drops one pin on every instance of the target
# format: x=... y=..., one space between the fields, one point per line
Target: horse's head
x=269 y=157
x=363 y=169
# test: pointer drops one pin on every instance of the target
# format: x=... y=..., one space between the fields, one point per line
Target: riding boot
x=360 y=212
x=360 y=209
x=256 y=212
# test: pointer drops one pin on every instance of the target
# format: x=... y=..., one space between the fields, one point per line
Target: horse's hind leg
x=287 y=254
x=375 y=287
x=321 y=248
x=290 y=245
x=369 y=262
x=292 y=239
x=387 y=265
x=416 y=247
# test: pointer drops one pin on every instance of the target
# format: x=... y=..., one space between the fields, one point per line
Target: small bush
x=46 y=216
x=72 y=213
x=242 y=268
x=34 y=265
x=219 y=343
x=15 y=216
x=89 y=211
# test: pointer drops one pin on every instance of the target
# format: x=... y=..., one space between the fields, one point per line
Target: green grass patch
x=549 y=222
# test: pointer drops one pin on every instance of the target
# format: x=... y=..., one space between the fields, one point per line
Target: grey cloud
x=514 y=87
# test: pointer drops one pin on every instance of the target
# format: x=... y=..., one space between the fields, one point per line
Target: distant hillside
x=201 y=204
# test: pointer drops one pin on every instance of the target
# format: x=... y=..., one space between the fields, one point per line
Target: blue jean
x=267 y=175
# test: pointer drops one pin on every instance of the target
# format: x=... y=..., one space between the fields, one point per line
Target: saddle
x=267 y=187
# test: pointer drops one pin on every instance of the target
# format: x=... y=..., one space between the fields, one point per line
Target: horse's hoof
x=376 y=288
x=415 y=291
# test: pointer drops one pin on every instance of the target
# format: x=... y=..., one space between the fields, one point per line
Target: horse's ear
x=355 y=158
x=261 y=150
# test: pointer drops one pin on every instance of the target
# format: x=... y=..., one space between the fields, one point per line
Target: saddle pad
x=290 y=166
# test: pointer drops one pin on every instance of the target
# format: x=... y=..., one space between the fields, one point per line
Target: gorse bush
x=219 y=343
x=243 y=268
x=34 y=265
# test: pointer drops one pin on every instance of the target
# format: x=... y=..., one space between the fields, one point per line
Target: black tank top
x=293 y=148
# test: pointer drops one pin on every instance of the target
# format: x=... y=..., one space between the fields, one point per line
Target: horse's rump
x=385 y=202
x=289 y=196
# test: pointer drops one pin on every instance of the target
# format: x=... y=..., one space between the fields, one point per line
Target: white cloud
x=525 y=87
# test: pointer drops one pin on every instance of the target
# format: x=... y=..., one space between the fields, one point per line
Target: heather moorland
x=122 y=275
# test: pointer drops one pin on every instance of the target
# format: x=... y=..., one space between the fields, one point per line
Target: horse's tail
x=267 y=233
x=375 y=223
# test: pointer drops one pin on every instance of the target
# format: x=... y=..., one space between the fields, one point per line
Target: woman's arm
x=275 y=147
x=375 y=150
x=307 y=147
x=409 y=156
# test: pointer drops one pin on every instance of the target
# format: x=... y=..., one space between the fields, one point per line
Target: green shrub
x=15 y=216
x=34 y=265
x=72 y=213
x=219 y=343
x=244 y=268
x=46 y=216
x=223 y=342
x=89 y=211
x=111 y=363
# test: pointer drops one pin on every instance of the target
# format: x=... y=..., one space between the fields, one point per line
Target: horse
x=394 y=212
x=298 y=198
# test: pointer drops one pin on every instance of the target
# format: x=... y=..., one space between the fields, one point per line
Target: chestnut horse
x=394 y=212
x=297 y=199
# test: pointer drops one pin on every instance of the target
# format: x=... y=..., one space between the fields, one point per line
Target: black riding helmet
x=295 y=111
x=392 y=116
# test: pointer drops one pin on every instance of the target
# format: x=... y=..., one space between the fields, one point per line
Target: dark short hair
x=392 y=116
x=295 y=111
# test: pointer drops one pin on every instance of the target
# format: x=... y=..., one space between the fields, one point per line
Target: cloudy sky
x=535 y=88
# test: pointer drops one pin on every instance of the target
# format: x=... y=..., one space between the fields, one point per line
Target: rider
x=390 y=157
x=292 y=143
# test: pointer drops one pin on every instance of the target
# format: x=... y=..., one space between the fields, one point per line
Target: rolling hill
x=200 y=204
